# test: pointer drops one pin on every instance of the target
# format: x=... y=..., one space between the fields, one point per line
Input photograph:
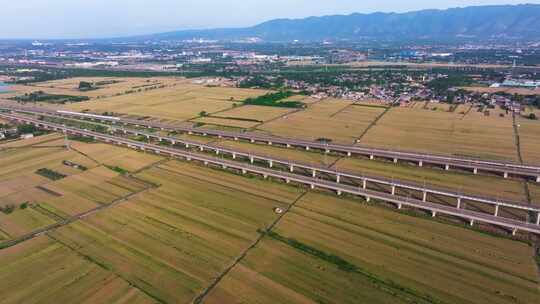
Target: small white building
x=27 y=136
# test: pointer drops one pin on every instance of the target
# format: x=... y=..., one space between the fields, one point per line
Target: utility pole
x=66 y=142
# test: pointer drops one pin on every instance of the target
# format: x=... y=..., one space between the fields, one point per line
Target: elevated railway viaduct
x=313 y=182
x=504 y=169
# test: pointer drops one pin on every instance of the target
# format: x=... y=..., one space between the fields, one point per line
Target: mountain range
x=475 y=22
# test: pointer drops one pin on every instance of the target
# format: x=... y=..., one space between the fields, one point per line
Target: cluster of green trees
x=50 y=174
x=9 y=208
x=441 y=85
x=86 y=86
x=274 y=100
x=40 y=96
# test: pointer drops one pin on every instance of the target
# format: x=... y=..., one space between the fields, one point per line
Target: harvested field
x=70 y=277
x=105 y=86
x=47 y=201
x=21 y=222
x=252 y=112
x=110 y=155
x=171 y=241
x=362 y=252
x=529 y=131
x=472 y=135
x=178 y=103
x=38 y=140
x=337 y=120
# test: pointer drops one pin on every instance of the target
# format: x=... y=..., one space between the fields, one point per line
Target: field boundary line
x=372 y=124
x=341 y=110
x=198 y=299
x=100 y=265
x=466 y=113
x=254 y=128
x=72 y=219
x=275 y=118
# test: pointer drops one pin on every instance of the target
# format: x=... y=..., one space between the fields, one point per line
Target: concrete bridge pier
x=471 y=223
x=244 y=171
x=475 y=170
x=395 y=160
x=224 y=166
x=505 y=174
x=447 y=167
x=206 y=163
x=190 y=133
x=201 y=148
x=399 y=206
x=288 y=145
x=514 y=231
x=234 y=156
x=538 y=219
x=327 y=151
x=265 y=176
x=251 y=159
x=368 y=199
x=188 y=158
x=538 y=179
x=372 y=157
x=236 y=139
x=217 y=152
x=312 y=186
x=270 y=163
x=393 y=190
x=420 y=164
x=349 y=154
x=364 y=184
x=252 y=141
x=270 y=143
x=338 y=178
x=433 y=213
x=496 y=210
x=314 y=173
x=424 y=197
x=339 y=192
x=307 y=148
x=459 y=202
x=187 y=146
x=291 y=168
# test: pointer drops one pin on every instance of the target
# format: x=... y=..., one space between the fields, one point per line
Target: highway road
x=339 y=188
x=505 y=169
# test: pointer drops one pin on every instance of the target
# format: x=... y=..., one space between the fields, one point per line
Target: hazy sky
x=106 y=18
